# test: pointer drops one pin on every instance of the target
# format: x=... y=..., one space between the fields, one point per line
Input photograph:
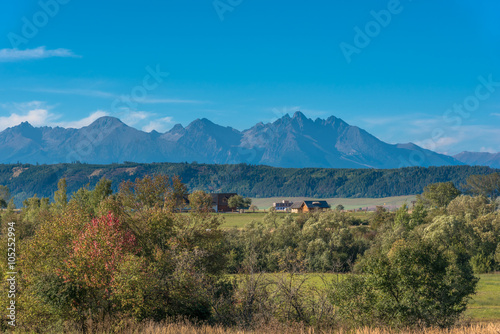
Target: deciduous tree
x=439 y=195
x=238 y=202
x=200 y=201
x=4 y=196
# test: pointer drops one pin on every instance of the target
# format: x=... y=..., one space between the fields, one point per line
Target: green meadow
x=485 y=305
x=240 y=220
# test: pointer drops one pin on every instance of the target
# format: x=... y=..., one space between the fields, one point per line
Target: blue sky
x=406 y=71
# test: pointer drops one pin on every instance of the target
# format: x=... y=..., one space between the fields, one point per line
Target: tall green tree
x=238 y=202
x=200 y=201
x=101 y=191
x=61 y=195
x=4 y=196
x=439 y=195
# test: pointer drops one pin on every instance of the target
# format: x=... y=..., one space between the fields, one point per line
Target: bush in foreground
x=415 y=284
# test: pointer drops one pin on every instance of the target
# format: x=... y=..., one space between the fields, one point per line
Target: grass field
x=348 y=203
x=485 y=305
x=240 y=220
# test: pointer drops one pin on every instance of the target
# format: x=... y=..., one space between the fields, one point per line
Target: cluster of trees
x=247 y=180
x=100 y=254
x=313 y=243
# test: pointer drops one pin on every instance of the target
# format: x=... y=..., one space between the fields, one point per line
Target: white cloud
x=36 y=117
x=375 y=121
x=161 y=125
x=10 y=55
x=105 y=94
x=39 y=114
x=168 y=101
x=133 y=117
x=467 y=138
x=439 y=144
x=84 y=121
x=77 y=91
x=487 y=150
x=281 y=111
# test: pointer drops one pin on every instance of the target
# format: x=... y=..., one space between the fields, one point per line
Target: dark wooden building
x=220 y=202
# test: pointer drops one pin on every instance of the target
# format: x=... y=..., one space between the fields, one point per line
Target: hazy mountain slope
x=287 y=142
x=479 y=159
x=302 y=142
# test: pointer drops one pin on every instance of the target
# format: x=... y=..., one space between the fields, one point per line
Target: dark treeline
x=24 y=181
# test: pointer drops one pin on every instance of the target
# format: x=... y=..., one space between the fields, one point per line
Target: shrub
x=415 y=284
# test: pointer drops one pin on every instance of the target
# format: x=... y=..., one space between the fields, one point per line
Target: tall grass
x=185 y=327
x=190 y=329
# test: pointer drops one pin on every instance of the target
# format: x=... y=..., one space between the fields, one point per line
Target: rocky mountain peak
x=107 y=122
x=290 y=141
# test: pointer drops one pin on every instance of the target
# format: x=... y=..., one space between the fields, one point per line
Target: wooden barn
x=220 y=202
x=309 y=206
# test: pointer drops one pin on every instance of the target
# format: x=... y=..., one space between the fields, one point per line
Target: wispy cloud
x=84 y=121
x=487 y=150
x=133 y=117
x=433 y=132
x=38 y=114
x=167 y=101
x=160 y=125
x=440 y=145
x=415 y=122
x=375 y=121
x=12 y=55
x=76 y=91
x=466 y=138
x=110 y=95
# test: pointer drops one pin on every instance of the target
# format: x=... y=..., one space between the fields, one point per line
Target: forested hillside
x=25 y=180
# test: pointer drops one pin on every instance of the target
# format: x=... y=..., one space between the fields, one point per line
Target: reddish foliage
x=98 y=251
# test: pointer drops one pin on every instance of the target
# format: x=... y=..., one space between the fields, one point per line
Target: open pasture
x=240 y=220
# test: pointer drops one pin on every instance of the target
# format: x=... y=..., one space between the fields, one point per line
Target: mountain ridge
x=290 y=141
x=479 y=158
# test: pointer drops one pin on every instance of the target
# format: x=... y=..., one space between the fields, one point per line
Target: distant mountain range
x=479 y=159
x=295 y=141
